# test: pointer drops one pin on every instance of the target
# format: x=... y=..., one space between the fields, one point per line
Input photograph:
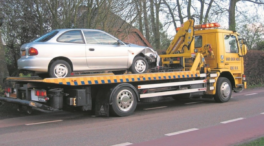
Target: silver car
x=63 y=51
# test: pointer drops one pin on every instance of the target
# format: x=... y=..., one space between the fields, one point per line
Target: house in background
x=111 y=23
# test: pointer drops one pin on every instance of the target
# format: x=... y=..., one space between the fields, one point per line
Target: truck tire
x=60 y=69
x=223 y=90
x=140 y=65
x=124 y=102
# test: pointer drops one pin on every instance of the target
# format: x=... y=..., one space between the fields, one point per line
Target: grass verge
x=256 y=142
x=255 y=86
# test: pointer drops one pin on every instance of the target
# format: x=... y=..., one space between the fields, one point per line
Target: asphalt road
x=196 y=122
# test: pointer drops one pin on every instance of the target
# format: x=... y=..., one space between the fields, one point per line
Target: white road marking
x=123 y=144
x=43 y=122
x=233 y=120
x=191 y=103
x=181 y=132
x=251 y=94
x=262 y=113
x=155 y=108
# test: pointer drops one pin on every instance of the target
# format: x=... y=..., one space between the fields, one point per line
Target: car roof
x=67 y=29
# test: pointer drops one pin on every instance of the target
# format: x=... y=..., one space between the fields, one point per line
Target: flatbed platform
x=96 y=79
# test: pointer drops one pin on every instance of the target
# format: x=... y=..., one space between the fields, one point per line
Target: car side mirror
x=119 y=42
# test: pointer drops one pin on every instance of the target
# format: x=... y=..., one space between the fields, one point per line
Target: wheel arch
x=229 y=76
x=61 y=58
x=132 y=59
x=115 y=88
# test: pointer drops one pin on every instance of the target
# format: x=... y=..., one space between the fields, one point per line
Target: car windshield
x=46 y=37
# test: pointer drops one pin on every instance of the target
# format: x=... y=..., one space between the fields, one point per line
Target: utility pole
x=3 y=66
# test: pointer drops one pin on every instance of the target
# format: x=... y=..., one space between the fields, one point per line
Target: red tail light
x=42 y=93
x=32 y=52
x=8 y=90
x=244 y=77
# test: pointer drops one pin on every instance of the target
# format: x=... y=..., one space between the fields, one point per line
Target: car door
x=104 y=52
x=72 y=46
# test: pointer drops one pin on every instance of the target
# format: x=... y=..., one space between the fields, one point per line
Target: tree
x=146 y=19
x=3 y=66
x=232 y=11
x=203 y=19
x=253 y=34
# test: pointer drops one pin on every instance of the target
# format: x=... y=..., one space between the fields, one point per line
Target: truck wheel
x=140 y=65
x=223 y=90
x=124 y=102
x=60 y=69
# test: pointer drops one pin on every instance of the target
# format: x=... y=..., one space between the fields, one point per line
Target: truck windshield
x=46 y=37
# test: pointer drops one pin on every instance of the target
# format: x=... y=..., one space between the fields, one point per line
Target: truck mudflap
x=34 y=105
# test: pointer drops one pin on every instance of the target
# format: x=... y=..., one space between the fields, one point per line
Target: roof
x=134 y=36
x=115 y=26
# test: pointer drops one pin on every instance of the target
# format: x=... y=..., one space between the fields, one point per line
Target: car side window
x=74 y=36
x=96 y=37
x=231 y=44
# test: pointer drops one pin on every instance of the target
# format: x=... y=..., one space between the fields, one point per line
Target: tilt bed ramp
x=105 y=92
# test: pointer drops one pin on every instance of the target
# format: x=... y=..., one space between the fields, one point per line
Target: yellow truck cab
x=228 y=60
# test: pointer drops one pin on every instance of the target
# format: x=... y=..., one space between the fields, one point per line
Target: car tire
x=140 y=65
x=60 y=69
x=124 y=102
x=223 y=90
x=119 y=72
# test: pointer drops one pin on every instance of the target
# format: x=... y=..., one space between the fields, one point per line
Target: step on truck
x=201 y=61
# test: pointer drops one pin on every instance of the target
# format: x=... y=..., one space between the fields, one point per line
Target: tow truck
x=201 y=61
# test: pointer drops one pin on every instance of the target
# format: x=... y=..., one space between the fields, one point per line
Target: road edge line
x=181 y=132
x=30 y=124
x=230 y=121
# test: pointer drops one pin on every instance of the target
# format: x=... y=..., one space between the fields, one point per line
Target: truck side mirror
x=244 y=50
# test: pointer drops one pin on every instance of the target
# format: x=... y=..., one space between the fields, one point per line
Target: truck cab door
x=232 y=58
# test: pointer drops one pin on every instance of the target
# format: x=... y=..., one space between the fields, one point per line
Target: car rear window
x=47 y=36
x=74 y=36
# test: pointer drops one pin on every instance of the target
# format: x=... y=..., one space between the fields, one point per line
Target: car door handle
x=226 y=63
x=91 y=49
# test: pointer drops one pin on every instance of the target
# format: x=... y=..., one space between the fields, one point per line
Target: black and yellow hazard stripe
x=109 y=79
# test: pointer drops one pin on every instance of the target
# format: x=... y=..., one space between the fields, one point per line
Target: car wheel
x=124 y=102
x=60 y=69
x=140 y=65
x=223 y=90
x=119 y=72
